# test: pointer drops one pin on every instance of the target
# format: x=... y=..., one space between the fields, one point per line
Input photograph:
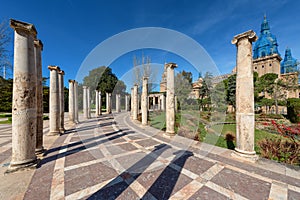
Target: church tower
x=289 y=64
x=266 y=58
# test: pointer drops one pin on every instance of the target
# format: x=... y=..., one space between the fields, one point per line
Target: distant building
x=266 y=58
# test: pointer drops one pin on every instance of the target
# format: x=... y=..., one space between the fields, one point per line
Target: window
x=270 y=65
x=255 y=68
x=262 y=66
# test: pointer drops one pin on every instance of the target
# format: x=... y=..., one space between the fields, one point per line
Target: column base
x=53 y=133
x=245 y=155
x=62 y=130
x=40 y=151
x=169 y=134
x=32 y=164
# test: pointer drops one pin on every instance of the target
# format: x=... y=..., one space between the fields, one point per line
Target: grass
x=5 y=115
x=157 y=120
x=9 y=118
x=231 y=128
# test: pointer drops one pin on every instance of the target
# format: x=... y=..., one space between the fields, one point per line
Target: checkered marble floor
x=111 y=157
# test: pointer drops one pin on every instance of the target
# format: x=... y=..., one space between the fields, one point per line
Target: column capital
x=38 y=43
x=19 y=25
x=145 y=77
x=85 y=87
x=250 y=35
x=72 y=81
x=53 y=67
x=62 y=72
x=135 y=85
x=171 y=65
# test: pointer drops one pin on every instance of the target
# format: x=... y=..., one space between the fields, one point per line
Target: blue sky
x=71 y=29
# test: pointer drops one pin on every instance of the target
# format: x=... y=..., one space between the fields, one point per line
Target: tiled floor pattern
x=112 y=158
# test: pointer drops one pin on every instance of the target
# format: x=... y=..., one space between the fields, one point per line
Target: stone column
x=244 y=96
x=97 y=103
x=131 y=103
x=24 y=109
x=61 y=100
x=76 y=101
x=127 y=102
x=170 y=111
x=118 y=103
x=54 y=107
x=144 y=101
x=108 y=103
x=163 y=102
x=100 y=103
x=85 y=104
x=89 y=102
x=71 y=102
x=135 y=102
x=176 y=105
x=38 y=47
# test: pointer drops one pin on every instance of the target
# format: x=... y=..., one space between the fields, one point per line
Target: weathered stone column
x=163 y=102
x=135 y=102
x=131 y=103
x=24 y=109
x=54 y=107
x=108 y=103
x=85 y=104
x=61 y=100
x=89 y=102
x=72 y=102
x=100 y=103
x=170 y=111
x=127 y=102
x=118 y=103
x=244 y=95
x=38 y=48
x=176 y=103
x=144 y=101
x=97 y=103
x=76 y=101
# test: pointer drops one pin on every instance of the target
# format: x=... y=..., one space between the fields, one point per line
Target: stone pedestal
x=85 y=103
x=76 y=101
x=135 y=102
x=24 y=108
x=163 y=102
x=118 y=103
x=108 y=103
x=244 y=96
x=127 y=103
x=170 y=110
x=72 y=102
x=61 y=101
x=89 y=102
x=176 y=105
x=54 y=107
x=131 y=103
x=100 y=103
x=144 y=102
x=38 y=47
x=97 y=103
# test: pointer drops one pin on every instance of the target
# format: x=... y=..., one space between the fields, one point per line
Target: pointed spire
x=265 y=29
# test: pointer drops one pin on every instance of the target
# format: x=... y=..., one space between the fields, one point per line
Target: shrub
x=293 y=110
x=284 y=149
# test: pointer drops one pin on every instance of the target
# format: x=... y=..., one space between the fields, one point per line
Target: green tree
x=6 y=88
x=231 y=90
x=188 y=76
x=107 y=81
x=182 y=89
x=205 y=90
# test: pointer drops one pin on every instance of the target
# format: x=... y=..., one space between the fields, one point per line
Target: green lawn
x=157 y=120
